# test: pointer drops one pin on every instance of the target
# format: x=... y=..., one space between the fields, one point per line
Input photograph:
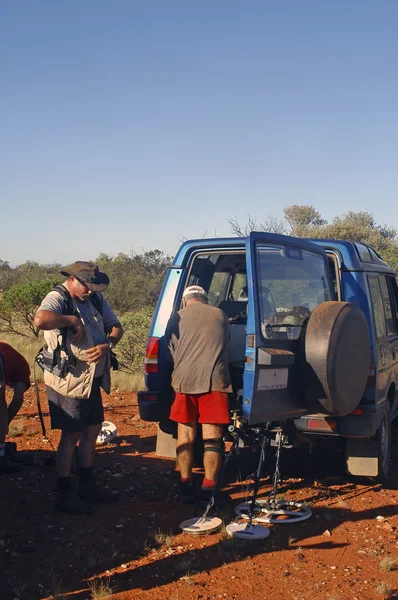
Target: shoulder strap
x=68 y=308
x=96 y=302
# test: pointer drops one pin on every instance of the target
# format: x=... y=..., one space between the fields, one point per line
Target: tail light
x=152 y=355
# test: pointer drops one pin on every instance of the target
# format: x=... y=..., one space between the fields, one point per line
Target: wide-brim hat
x=89 y=274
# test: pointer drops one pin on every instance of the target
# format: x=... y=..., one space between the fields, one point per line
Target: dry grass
x=387 y=563
x=130 y=382
x=383 y=589
x=163 y=539
x=57 y=589
x=100 y=589
x=16 y=428
x=299 y=554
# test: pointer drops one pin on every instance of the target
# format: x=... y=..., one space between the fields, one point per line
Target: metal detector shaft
x=228 y=456
x=257 y=478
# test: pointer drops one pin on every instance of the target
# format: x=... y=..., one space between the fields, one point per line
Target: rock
x=327 y=533
x=380 y=518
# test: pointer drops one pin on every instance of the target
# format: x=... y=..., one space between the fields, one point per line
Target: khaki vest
x=78 y=382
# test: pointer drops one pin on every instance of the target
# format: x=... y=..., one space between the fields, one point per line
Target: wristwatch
x=110 y=344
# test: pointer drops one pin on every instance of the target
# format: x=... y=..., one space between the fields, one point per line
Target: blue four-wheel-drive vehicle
x=313 y=340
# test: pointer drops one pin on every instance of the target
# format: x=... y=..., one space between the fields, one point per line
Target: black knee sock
x=86 y=474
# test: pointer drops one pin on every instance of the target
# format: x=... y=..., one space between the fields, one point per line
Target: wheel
x=370 y=457
x=383 y=440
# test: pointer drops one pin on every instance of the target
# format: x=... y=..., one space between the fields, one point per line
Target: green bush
x=131 y=348
x=19 y=304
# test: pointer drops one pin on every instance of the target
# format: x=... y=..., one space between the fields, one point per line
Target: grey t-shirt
x=197 y=339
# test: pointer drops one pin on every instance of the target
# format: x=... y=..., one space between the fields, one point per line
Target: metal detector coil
x=247 y=531
x=201 y=525
x=107 y=433
x=282 y=513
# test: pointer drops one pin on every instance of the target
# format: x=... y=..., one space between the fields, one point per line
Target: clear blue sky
x=127 y=124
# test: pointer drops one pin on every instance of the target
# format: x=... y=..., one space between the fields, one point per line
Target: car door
x=286 y=279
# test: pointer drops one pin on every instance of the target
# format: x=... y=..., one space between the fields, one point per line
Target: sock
x=2 y=449
x=86 y=474
x=209 y=483
x=63 y=483
x=186 y=479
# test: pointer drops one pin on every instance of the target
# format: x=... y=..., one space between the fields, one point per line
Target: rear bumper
x=362 y=425
x=154 y=406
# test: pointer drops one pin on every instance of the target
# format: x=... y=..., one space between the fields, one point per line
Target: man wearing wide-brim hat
x=80 y=330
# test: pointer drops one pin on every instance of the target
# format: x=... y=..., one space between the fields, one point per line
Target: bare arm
x=17 y=400
x=49 y=319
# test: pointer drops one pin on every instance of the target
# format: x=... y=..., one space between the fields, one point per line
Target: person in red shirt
x=15 y=373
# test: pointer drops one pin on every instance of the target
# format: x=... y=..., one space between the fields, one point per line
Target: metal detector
x=250 y=531
x=270 y=510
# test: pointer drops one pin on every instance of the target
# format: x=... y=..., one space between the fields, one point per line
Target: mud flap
x=362 y=458
x=165 y=444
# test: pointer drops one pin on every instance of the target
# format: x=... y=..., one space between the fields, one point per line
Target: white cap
x=194 y=289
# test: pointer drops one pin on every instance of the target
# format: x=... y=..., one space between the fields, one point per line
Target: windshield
x=291 y=283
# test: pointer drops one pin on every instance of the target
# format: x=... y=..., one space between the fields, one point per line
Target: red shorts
x=211 y=408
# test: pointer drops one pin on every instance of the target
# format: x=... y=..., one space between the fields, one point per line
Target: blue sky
x=129 y=124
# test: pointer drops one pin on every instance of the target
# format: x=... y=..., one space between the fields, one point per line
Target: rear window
x=223 y=276
x=292 y=282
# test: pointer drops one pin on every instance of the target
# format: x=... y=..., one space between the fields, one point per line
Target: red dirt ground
x=135 y=547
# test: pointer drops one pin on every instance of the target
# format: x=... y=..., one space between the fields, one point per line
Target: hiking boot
x=8 y=467
x=187 y=491
x=90 y=492
x=66 y=501
x=221 y=499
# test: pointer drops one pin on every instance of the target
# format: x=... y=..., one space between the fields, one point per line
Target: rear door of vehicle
x=286 y=279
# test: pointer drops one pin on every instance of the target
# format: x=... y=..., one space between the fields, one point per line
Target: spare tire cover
x=337 y=355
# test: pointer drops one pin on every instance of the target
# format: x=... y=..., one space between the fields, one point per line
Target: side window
x=377 y=305
x=391 y=329
x=392 y=284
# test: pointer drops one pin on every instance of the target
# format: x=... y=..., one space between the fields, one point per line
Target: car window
x=387 y=305
x=292 y=282
x=377 y=305
x=394 y=291
x=223 y=276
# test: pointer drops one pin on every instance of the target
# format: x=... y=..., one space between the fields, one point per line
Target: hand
x=79 y=330
x=94 y=354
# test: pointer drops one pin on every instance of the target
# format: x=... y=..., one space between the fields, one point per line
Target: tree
x=19 y=304
x=306 y=221
x=267 y=223
x=302 y=219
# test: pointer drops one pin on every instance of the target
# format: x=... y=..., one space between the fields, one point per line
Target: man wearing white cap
x=197 y=338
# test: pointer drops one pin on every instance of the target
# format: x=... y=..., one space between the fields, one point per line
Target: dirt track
x=136 y=549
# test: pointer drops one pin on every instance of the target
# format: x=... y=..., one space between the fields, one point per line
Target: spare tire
x=336 y=355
